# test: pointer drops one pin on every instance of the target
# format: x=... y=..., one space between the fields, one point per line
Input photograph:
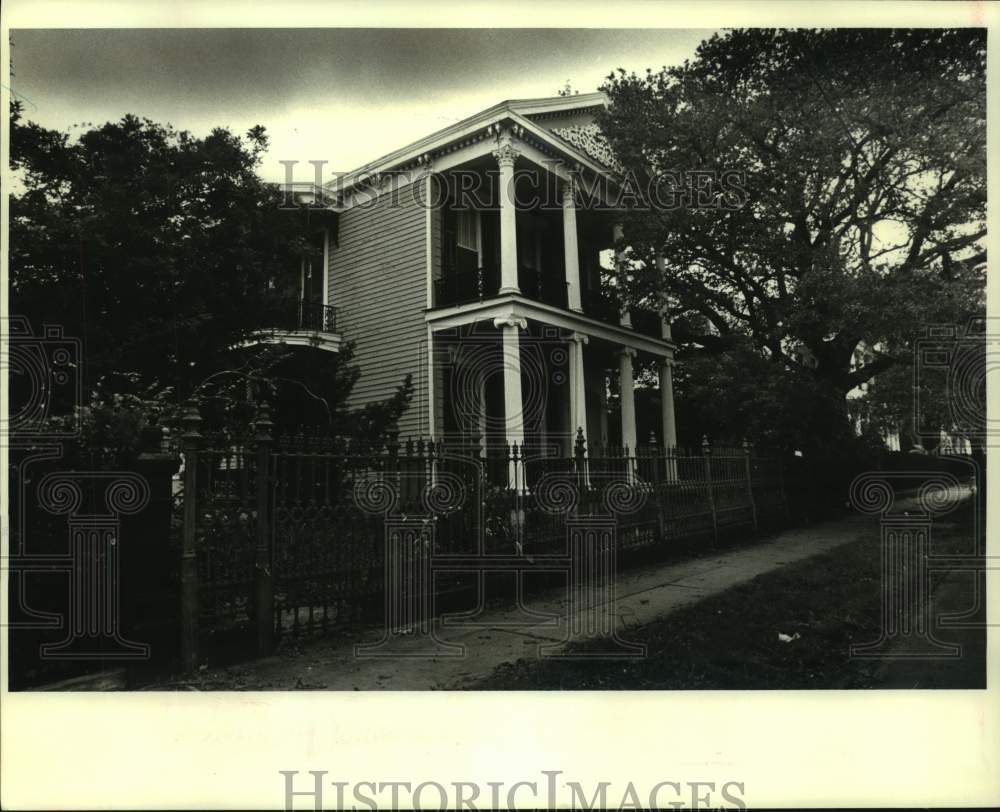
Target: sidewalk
x=505 y=635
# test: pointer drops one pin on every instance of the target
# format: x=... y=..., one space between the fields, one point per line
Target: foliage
x=162 y=252
x=108 y=431
x=860 y=213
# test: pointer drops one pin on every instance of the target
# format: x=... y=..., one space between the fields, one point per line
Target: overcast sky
x=346 y=96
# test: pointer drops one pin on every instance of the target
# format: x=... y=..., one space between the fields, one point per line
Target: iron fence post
x=706 y=452
x=263 y=574
x=658 y=489
x=580 y=460
x=190 y=442
x=748 y=466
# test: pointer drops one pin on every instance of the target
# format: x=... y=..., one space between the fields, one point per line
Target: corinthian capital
x=506 y=154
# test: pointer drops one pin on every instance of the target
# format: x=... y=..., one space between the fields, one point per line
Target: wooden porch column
x=506 y=154
x=667 y=387
x=513 y=413
x=627 y=389
x=577 y=388
x=570 y=249
x=667 y=402
x=667 y=416
x=625 y=318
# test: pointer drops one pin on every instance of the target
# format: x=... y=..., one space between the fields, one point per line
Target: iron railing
x=604 y=304
x=298 y=314
x=454 y=287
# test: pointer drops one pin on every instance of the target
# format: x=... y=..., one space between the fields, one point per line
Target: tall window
x=467 y=230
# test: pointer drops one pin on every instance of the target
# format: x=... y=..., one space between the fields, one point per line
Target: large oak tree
x=860 y=215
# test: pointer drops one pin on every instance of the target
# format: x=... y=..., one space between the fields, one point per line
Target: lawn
x=731 y=640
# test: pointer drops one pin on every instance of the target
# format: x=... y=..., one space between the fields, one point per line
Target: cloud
x=346 y=96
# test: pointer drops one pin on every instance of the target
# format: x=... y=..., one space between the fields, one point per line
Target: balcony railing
x=296 y=315
x=454 y=288
x=543 y=286
x=604 y=304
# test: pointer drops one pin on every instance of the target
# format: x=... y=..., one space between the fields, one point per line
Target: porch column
x=506 y=154
x=513 y=413
x=627 y=389
x=625 y=318
x=577 y=390
x=667 y=402
x=667 y=387
x=669 y=421
x=570 y=249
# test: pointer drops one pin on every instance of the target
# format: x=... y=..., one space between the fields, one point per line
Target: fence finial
x=192 y=421
x=652 y=439
x=580 y=446
x=706 y=447
x=262 y=421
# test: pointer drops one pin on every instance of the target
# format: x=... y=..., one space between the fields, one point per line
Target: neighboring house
x=864 y=355
x=493 y=301
x=947 y=442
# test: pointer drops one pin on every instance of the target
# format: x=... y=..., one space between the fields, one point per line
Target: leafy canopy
x=163 y=251
x=862 y=155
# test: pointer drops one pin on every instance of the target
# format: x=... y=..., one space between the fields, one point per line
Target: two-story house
x=473 y=259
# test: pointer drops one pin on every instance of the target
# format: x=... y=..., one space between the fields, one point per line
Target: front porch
x=514 y=372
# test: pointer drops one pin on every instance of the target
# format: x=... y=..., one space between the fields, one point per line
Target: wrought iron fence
x=285 y=536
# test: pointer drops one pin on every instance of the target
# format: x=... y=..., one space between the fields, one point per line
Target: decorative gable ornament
x=588 y=138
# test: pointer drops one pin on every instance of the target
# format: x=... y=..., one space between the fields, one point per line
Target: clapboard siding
x=377 y=278
x=436 y=262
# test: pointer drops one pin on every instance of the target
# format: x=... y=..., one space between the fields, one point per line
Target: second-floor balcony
x=298 y=322
x=458 y=288
x=296 y=314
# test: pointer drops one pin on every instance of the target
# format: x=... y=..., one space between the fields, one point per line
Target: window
x=467 y=230
x=530 y=241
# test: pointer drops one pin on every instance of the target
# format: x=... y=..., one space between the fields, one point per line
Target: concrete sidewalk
x=466 y=652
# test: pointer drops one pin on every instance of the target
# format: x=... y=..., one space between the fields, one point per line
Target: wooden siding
x=378 y=280
x=437 y=261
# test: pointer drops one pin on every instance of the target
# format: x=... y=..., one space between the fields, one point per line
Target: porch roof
x=514 y=306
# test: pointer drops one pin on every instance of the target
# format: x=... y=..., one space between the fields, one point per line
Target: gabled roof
x=518 y=111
